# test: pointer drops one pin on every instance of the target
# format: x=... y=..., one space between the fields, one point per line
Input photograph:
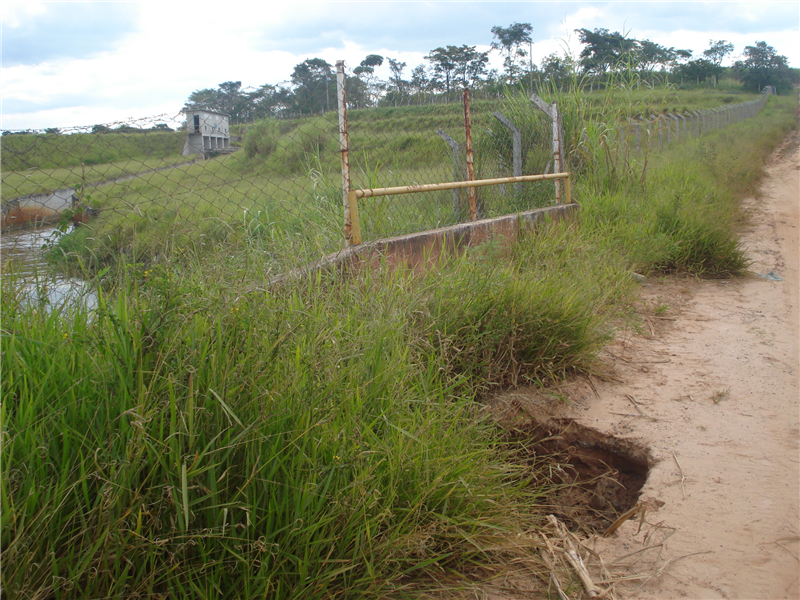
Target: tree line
x=311 y=87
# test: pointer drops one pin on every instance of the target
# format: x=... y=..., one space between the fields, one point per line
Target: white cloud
x=13 y=13
x=170 y=49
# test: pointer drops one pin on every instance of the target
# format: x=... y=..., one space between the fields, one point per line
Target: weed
x=721 y=395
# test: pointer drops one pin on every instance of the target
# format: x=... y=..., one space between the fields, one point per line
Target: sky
x=84 y=63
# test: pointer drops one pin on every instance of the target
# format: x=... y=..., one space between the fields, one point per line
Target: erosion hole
x=591 y=478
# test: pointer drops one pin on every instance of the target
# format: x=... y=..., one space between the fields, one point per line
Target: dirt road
x=725 y=414
x=710 y=388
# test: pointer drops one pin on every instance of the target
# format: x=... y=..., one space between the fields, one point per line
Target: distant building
x=206 y=130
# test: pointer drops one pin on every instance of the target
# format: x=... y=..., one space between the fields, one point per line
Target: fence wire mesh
x=419 y=144
x=200 y=178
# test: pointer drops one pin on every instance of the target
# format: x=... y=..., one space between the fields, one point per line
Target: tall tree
x=762 y=66
x=717 y=51
x=443 y=64
x=470 y=64
x=510 y=41
x=555 y=69
x=365 y=71
x=605 y=51
x=420 y=83
x=700 y=69
x=650 y=55
x=397 y=67
x=228 y=98
x=314 y=86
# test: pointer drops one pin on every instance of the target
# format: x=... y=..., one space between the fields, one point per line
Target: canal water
x=22 y=253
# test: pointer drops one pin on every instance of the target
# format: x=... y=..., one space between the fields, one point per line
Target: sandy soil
x=710 y=388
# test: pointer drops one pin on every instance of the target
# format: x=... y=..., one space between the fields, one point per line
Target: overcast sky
x=69 y=63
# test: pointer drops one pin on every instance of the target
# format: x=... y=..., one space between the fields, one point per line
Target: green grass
x=681 y=212
x=36 y=181
x=190 y=440
x=29 y=151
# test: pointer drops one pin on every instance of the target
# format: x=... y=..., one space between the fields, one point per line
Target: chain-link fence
x=412 y=148
x=656 y=133
x=142 y=186
x=146 y=186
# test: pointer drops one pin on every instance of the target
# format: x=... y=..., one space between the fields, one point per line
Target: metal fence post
x=456 y=171
x=352 y=228
x=551 y=110
x=516 y=136
x=558 y=148
x=473 y=201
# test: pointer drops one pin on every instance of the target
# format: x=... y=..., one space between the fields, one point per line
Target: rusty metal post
x=473 y=201
x=352 y=228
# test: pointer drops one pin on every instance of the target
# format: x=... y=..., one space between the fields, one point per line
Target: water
x=22 y=253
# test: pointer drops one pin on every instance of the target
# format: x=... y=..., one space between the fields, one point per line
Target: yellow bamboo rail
x=454 y=185
x=354 y=195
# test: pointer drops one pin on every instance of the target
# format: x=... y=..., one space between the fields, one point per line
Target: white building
x=206 y=130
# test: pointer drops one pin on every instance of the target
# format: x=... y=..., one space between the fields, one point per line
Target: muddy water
x=22 y=254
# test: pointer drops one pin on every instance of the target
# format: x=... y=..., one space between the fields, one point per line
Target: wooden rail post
x=352 y=228
x=473 y=199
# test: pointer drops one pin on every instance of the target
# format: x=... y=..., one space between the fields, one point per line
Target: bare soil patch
x=597 y=478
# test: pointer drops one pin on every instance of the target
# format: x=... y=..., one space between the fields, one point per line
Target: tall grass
x=187 y=439
x=682 y=212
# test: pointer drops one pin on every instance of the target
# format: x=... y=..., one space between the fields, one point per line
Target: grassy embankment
x=317 y=440
x=33 y=164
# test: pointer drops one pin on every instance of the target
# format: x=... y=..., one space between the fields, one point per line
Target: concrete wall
x=418 y=251
x=37 y=208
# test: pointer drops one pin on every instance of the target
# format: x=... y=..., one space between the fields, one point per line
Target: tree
x=605 y=51
x=763 y=66
x=420 y=83
x=52 y=131
x=699 y=69
x=509 y=41
x=470 y=65
x=650 y=55
x=365 y=71
x=313 y=79
x=718 y=51
x=397 y=67
x=443 y=64
x=555 y=69
x=228 y=98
